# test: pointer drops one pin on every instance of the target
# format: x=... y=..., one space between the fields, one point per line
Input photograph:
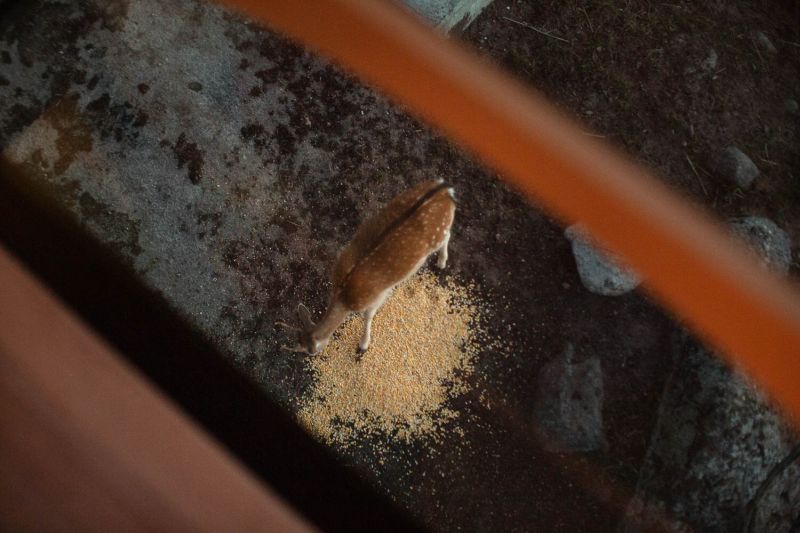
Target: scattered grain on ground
x=424 y=342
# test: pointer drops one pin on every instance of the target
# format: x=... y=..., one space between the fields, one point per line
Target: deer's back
x=392 y=244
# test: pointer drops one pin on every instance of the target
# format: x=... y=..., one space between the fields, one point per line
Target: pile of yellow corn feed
x=424 y=341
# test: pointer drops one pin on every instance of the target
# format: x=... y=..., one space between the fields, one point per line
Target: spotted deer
x=386 y=250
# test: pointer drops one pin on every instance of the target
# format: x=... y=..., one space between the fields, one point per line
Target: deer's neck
x=334 y=316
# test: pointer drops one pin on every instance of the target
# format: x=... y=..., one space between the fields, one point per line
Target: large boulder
x=721 y=458
x=716 y=441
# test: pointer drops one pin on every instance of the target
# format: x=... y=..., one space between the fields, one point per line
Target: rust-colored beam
x=687 y=260
x=87 y=445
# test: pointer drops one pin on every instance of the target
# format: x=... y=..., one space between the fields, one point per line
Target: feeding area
x=426 y=339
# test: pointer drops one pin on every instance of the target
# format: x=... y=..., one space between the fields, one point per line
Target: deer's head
x=306 y=341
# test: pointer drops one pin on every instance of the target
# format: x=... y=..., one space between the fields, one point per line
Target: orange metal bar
x=687 y=260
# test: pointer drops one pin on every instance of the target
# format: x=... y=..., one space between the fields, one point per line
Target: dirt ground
x=635 y=72
x=234 y=165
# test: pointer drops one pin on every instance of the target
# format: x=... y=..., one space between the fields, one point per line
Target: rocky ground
x=228 y=166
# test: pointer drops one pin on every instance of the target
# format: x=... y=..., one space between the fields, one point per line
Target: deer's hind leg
x=441 y=260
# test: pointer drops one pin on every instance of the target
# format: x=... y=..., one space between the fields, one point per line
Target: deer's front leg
x=366 y=336
x=369 y=314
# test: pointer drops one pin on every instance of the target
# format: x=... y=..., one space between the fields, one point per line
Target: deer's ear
x=284 y=325
x=305 y=316
x=296 y=348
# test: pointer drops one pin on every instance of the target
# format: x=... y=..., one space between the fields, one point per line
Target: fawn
x=386 y=250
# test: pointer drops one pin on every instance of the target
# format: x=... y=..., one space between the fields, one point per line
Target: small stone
x=195 y=86
x=790 y=106
x=710 y=62
x=734 y=164
x=767 y=239
x=764 y=42
x=568 y=408
x=600 y=271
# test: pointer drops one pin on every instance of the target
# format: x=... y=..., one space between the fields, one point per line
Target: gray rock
x=447 y=14
x=568 y=409
x=734 y=164
x=765 y=237
x=715 y=442
x=601 y=272
x=790 y=106
x=764 y=42
x=776 y=504
x=716 y=459
x=710 y=62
